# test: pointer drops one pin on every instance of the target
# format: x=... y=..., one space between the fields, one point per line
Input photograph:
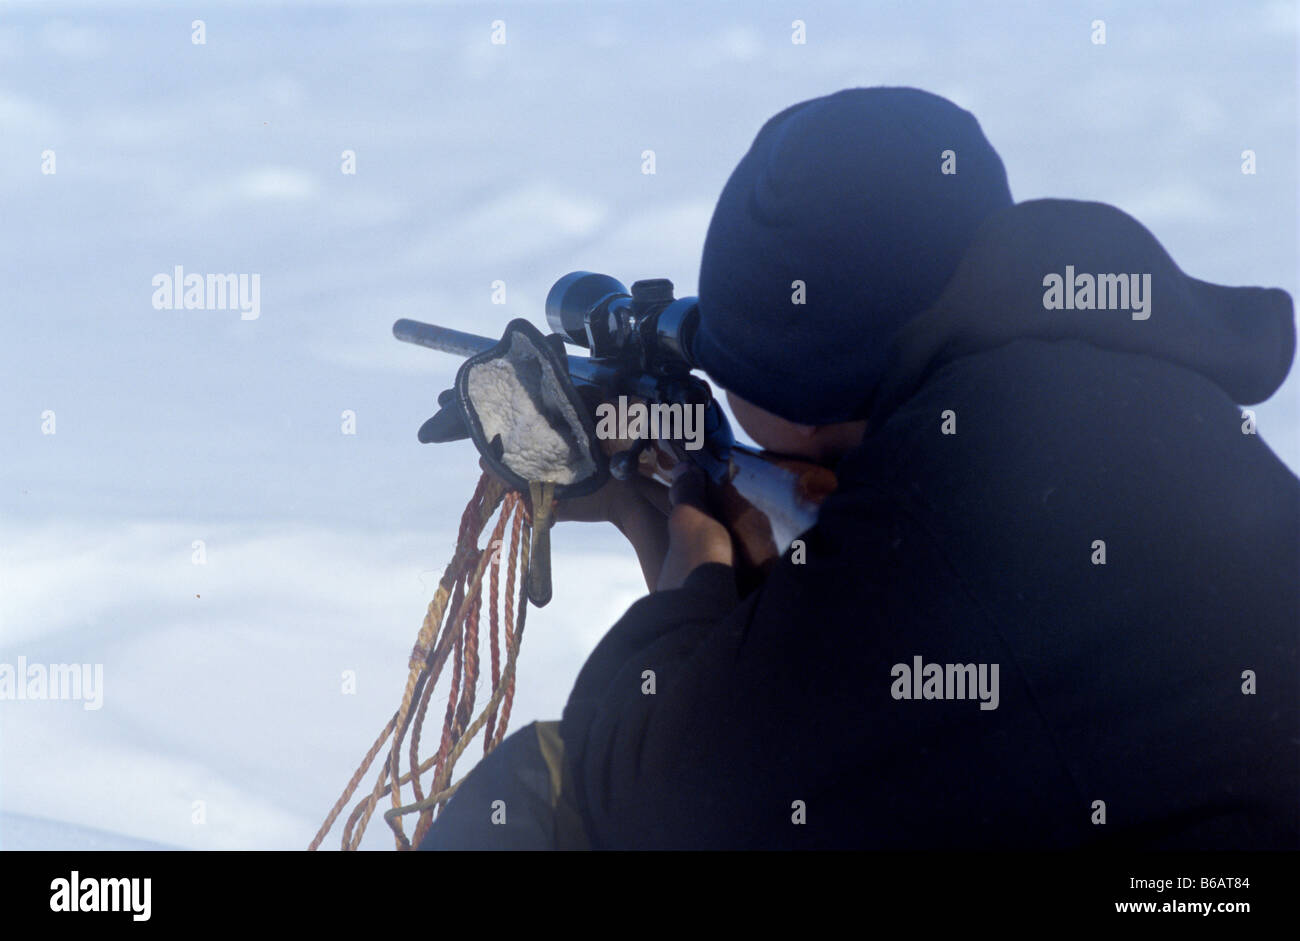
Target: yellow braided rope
x=442 y=792
x=432 y=649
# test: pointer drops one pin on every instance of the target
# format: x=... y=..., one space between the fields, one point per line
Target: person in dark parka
x=1053 y=602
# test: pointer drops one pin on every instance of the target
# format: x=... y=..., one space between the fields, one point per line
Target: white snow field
x=479 y=167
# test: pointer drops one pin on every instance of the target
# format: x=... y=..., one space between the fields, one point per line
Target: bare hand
x=695 y=537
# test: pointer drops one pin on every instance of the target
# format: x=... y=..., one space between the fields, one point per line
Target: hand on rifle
x=695 y=537
x=672 y=532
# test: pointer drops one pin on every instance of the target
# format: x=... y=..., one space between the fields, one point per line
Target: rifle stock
x=769 y=500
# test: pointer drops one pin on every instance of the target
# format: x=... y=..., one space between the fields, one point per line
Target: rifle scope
x=646 y=326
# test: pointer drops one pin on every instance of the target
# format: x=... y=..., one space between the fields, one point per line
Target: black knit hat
x=847 y=195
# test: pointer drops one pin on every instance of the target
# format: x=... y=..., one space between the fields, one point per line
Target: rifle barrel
x=443 y=339
x=447 y=340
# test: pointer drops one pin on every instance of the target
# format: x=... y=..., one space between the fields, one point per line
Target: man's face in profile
x=822 y=444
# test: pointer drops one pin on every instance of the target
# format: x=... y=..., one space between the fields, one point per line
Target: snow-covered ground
x=224 y=722
x=19 y=832
x=227 y=720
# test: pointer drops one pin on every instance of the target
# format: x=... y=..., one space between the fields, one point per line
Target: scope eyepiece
x=675 y=331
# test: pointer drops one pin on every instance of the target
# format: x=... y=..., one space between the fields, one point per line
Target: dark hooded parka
x=1066 y=498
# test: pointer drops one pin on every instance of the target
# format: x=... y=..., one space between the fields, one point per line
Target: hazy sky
x=475 y=162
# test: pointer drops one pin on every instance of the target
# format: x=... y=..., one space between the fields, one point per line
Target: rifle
x=527 y=404
x=639 y=350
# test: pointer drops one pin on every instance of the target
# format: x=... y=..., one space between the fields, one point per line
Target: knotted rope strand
x=451 y=629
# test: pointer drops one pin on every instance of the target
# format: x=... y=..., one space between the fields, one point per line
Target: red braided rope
x=495 y=548
x=451 y=629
